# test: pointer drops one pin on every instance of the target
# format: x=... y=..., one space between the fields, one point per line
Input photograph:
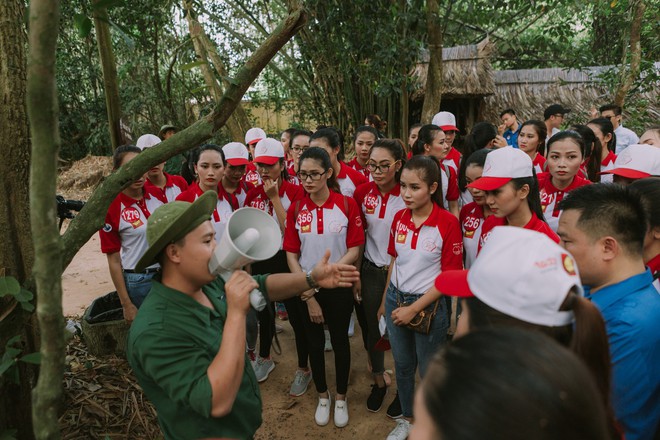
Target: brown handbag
x=421 y=322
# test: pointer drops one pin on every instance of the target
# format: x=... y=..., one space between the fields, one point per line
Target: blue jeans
x=411 y=349
x=138 y=286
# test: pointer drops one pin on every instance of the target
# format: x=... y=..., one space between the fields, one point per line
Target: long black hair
x=477 y=158
x=593 y=151
x=425 y=136
x=606 y=127
x=428 y=170
x=480 y=137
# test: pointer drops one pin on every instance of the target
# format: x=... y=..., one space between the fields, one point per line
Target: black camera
x=64 y=208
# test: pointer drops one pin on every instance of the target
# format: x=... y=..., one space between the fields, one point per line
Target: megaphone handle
x=257 y=299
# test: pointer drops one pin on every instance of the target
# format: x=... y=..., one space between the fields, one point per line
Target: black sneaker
x=375 y=399
x=394 y=410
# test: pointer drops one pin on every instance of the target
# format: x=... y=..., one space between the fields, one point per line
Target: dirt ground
x=285 y=417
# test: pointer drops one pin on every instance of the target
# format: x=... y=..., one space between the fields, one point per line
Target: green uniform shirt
x=171 y=343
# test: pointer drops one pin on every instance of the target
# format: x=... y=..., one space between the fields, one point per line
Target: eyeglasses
x=314 y=176
x=299 y=149
x=383 y=168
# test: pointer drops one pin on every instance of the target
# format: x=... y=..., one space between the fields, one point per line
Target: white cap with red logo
x=236 y=154
x=521 y=273
x=268 y=151
x=147 y=140
x=254 y=135
x=445 y=120
x=502 y=166
x=637 y=162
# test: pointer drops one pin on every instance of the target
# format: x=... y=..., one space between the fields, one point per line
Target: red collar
x=654 y=264
x=373 y=189
x=576 y=183
x=611 y=157
x=141 y=203
x=433 y=220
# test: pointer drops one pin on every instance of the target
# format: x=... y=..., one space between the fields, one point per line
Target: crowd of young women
x=404 y=215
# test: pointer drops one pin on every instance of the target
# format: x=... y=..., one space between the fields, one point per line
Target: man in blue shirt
x=603 y=226
x=510 y=128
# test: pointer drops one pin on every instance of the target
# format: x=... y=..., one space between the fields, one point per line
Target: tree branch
x=91 y=217
x=43 y=114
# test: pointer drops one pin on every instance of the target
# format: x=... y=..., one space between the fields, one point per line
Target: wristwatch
x=311 y=282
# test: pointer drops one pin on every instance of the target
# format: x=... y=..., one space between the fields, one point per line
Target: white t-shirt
x=624 y=137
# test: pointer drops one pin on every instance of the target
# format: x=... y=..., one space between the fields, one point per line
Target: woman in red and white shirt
x=124 y=237
x=162 y=185
x=531 y=140
x=209 y=169
x=604 y=131
x=275 y=195
x=431 y=142
x=365 y=136
x=379 y=201
x=565 y=154
x=347 y=178
x=232 y=186
x=474 y=214
x=425 y=240
x=512 y=194
x=325 y=222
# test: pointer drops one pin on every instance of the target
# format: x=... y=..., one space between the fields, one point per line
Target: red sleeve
x=186 y=196
x=463 y=213
x=395 y=221
x=250 y=196
x=452 y=185
x=109 y=234
x=291 y=238
x=180 y=182
x=452 y=243
x=355 y=232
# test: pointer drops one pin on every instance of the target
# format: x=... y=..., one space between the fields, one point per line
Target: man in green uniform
x=187 y=343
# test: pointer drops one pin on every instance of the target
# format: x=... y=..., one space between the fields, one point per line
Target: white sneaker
x=341 y=413
x=401 y=431
x=322 y=416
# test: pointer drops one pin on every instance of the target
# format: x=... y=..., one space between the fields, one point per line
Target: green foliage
x=11 y=356
x=9 y=434
x=9 y=286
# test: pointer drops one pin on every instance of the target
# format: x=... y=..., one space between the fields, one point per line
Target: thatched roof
x=529 y=92
x=466 y=71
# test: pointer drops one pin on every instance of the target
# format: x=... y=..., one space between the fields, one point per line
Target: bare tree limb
x=91 y=217
x=43 y=115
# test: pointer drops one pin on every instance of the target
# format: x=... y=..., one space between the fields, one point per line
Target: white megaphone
x=251 y=235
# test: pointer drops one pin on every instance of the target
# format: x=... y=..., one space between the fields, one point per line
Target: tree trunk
x=110 y=82
x=16 y=253
x=433 y=93
x=238 y=122
x=43 y=115
x=628 y=76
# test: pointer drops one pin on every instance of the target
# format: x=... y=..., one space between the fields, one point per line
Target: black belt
x=372 y=264
x=146 y=271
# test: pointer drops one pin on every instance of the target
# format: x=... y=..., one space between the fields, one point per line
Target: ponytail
x=534 y=196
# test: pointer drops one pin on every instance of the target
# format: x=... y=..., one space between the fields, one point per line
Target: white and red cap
x=147 y=140
x=236 y=154
x=521 y=273
x=637 y=162
x=254 y=135
x=445 y=120
x=268 y=151
x=501 y=166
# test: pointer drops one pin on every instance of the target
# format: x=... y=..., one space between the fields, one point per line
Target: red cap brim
x=449 y=128
x=253 y=141
x=489 y=183
x=268 y=160
x=237 y=162
x=628 y=172
x=454 y=283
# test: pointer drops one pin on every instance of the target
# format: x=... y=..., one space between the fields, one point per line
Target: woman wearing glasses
x=379 y=201
x=299 y=143
x=325 y=224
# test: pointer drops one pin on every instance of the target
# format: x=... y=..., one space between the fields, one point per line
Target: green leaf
x=9 y=286
x=189 y=66
x=24 y=296
x=6 y=364
x=28 y=307
x=83 y=24
x=199 y=89
x=12 y=341
x=9 y=434
x=125 y=34
x=32 y=358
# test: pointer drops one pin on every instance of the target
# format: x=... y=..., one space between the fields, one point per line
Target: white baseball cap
x=268 y=151
x=236 y=154
x=445 y=120
x=521 y=273
x=147 y=140
x=637 y=161
x=254 y=135
x=501 y=166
